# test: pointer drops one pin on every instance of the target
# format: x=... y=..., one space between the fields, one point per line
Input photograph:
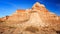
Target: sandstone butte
x=37 y=20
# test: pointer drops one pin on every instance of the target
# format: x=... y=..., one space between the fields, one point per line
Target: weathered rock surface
x=37 y=20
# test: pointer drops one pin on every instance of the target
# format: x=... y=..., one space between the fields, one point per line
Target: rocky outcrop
x=4 y=18
x=37 y=20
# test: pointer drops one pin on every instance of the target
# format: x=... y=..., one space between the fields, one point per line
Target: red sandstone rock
x=37 y=20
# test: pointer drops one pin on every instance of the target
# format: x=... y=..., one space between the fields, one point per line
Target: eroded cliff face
x=37 y=20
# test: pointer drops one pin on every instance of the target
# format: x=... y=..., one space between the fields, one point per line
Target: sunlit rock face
x=19 y=15
x=37 y=20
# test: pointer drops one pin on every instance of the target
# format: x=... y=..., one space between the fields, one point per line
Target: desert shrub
x=32 y=29
x=58 y=32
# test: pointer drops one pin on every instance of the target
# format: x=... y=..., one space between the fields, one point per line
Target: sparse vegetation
x=32 y=29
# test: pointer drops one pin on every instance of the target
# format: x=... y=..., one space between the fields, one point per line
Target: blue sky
x=7 y=7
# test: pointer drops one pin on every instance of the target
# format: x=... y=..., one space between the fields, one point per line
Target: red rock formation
x=20 y=15
x=37 y=20
x=4 y=18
